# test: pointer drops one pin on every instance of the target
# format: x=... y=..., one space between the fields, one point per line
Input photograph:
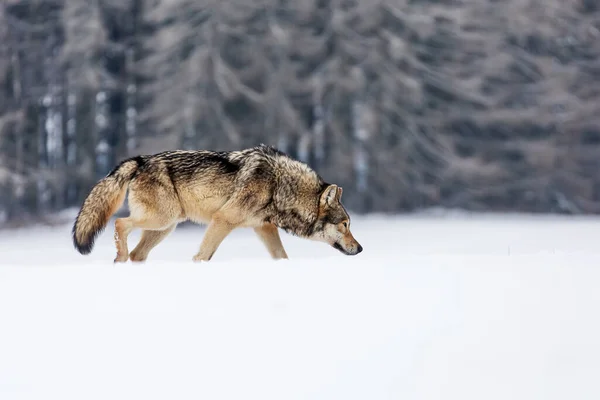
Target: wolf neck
x=295 y=223
x=296 y=199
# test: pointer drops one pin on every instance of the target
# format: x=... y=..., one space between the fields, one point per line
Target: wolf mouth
x=339 y=247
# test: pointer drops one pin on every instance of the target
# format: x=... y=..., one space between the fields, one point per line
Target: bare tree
x=408 y=104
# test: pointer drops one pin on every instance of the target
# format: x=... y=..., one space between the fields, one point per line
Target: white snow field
x=455 y=307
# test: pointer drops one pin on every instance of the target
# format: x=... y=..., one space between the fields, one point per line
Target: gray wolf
x=259 y=187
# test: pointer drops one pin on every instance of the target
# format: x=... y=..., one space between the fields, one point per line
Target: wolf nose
x=359 y=249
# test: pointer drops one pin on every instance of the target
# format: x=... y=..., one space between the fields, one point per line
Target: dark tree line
x=477 y=104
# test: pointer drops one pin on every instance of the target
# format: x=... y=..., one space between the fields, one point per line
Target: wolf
x=260 y=187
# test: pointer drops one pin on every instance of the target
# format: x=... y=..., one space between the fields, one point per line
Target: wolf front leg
x=220 y=226
x=269 y=235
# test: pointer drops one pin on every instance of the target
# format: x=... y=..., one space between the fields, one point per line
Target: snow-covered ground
x=445 y=308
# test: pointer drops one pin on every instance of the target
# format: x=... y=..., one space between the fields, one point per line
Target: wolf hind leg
x=124 y=226
x=146 y=212
x=149 y=240
x=269 y=235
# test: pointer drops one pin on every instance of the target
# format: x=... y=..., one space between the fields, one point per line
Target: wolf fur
x=259 y=187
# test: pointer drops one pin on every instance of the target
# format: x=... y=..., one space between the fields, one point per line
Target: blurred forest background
x=407 y=104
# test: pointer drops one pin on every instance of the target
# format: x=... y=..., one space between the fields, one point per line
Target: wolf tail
x=105 y=198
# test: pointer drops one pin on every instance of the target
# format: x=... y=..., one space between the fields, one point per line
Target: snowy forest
x=406 y=104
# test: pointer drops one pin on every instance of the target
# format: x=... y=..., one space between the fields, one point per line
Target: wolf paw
x=199 y=258
x=121 y=259
x=136 y=257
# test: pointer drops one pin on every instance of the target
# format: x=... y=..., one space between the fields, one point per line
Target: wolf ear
x=329 y=195
x=339 y=193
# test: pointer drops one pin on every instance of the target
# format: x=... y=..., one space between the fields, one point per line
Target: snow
x=444 y=307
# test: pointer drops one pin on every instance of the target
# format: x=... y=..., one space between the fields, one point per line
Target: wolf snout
x=350 y=250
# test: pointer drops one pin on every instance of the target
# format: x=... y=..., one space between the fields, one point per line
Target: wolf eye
x=345 y=224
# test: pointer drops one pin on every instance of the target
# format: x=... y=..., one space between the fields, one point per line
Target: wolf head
x=333 y=223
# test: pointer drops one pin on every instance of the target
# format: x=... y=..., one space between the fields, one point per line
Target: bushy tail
x=103 y=201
